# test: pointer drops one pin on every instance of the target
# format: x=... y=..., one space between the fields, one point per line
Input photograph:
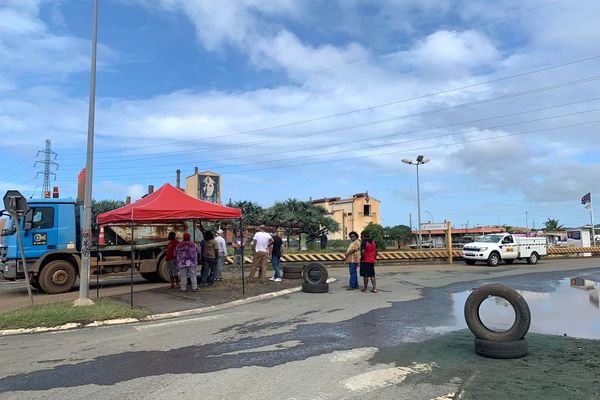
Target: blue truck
x=51 y=231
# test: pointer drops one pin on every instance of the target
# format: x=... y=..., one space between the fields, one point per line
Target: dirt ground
x=164 y=299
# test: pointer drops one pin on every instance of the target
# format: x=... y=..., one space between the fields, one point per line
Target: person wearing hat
x=222 y=245
x=187 y=259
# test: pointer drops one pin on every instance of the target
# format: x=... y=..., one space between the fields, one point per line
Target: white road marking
x=175 y=322
x=381 y=378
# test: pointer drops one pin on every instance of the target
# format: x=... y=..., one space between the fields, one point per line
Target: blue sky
x=308 y=99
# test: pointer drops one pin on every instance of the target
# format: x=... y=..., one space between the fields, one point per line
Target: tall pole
x=526 y=223
x=86 y=238
x=419 y=209
x=20 y=240
x=592 y=220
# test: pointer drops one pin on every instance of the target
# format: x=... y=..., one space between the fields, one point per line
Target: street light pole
x=86 y=236
x=420 y=160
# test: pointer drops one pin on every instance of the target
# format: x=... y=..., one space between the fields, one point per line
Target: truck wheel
x=506 y=349
x=470 y=262
x=33 y=281
x=493 y=259
x=151 y=276
x=522 y=314
x=162 y=274
x=509 y=261
x=58 y=276
x=533 y=258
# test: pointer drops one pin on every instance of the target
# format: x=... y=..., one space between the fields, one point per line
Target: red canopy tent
x=168 y=204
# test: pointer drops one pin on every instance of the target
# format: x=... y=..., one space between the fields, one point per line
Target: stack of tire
x=498 y=344
x=315 y=278
x=292 y=271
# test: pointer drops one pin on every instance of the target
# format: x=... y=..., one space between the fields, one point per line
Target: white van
x=504 y=247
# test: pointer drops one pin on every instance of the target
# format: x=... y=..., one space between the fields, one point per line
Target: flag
x=587 y=200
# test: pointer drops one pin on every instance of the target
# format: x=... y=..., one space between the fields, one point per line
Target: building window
x=366 y=210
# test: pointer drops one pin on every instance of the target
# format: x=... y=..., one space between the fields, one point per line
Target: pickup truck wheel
x=470 y=262
x=58 y=276
x=493 y=259
x=533 y=258
x=510 y=261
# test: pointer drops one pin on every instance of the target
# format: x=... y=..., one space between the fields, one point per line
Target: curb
x=155 y=317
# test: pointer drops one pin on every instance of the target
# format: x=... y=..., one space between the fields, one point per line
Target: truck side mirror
x=28 y=223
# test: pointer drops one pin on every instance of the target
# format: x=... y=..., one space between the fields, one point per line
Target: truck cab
x=49 y=226
x=506 y=247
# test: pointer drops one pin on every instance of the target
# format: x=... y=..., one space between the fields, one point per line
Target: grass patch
x=60 y=313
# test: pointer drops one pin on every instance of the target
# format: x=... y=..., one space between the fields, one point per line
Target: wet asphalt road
x=301 y=346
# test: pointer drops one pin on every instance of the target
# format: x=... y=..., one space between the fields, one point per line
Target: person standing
x=171 y=260
x=238 y=243
x=352 y=256
x=260 y=243
x=211 y=254
x=276 y=246
x=368 y=257
x=187 y=259
x=222 y=247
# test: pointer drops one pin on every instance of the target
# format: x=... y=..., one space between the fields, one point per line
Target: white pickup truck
x=504 y=247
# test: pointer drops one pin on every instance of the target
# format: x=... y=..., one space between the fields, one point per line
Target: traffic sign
x=434 y=227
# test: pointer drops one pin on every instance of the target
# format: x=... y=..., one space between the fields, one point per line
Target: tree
x=252 y=213
x=299 y=217
x=402 y=234
x=376 y=233
x=102 y=206
x=552 y=225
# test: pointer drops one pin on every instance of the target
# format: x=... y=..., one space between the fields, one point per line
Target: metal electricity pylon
x=49 y=164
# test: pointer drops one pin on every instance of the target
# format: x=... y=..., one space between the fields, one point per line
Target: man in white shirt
x=260 y=243
x=222 y=246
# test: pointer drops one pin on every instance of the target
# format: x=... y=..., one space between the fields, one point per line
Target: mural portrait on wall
x=210 y=188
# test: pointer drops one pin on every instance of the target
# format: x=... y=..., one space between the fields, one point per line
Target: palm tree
x=552 y=225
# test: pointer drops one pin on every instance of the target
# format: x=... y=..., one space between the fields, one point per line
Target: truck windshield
x=489 y=238
x=9 y=227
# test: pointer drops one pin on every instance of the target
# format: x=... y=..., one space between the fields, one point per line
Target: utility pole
x=86 y=239
x=526 y=223
x=49 y=163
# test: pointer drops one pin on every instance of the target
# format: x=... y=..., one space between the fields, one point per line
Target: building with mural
x=204 y=186
x=353 y=213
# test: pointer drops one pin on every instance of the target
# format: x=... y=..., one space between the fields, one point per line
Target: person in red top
x=171 y=260
x=368 y=258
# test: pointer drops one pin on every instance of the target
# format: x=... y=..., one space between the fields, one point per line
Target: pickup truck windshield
x=489 y=238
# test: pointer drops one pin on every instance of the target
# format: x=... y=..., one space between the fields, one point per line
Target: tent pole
x=131 y=268
x=242 y=261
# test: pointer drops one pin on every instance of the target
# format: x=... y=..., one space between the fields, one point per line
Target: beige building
x=353 y=214
x=204 y=186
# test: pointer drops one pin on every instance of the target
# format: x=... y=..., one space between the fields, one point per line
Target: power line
x=405 y=141
x=353 y=126
x=403 y=151
x=379 y=137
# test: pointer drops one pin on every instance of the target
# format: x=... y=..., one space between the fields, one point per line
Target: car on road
x=506 y=247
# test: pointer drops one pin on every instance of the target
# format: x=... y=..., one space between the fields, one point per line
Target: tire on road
x=57 y=276
x=505 y=349
x=522 y=314
x=162 y=270
x=34 y=282
x=469 y=261
x=315 y=287
x=533 y=258
x=292 y=268
x=509 y=261
x=292 y=275
x=315 y=273
x=151 y=276
x=494 y=259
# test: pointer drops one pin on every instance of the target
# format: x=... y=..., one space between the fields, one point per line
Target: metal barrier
x=404 y=255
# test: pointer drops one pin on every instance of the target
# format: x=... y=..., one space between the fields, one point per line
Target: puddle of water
x=572 y=309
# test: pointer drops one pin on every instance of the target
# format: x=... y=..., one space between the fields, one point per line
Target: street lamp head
x=424 y=160
x=419 y=158
x=405 y=161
